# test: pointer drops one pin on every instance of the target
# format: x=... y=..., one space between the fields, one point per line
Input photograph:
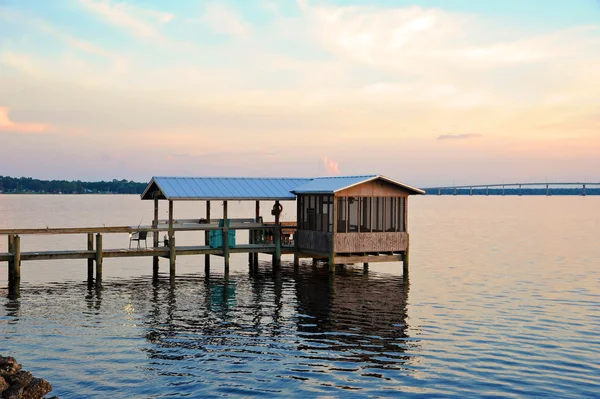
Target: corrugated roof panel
x=329 y=185
x=228 y=187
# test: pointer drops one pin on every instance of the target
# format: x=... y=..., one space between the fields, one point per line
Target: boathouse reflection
x=352 y=317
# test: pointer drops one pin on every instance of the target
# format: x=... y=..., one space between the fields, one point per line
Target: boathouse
x=353 y=219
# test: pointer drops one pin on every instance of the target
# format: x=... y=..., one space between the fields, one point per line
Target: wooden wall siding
x=370 y=242
x=314 y=240
x=376 y=188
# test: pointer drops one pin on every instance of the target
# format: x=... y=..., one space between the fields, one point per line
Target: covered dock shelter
x=342 y=219
x=222 y=189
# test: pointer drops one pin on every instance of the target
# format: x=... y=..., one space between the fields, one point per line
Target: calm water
x=503 y=300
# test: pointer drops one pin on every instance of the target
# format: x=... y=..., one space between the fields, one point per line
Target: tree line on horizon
x=25 y=185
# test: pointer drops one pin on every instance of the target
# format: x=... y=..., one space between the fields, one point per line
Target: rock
x=3 y=384
x=15 y=391
x=9 y=366
x=36 y=389
x=22 y=377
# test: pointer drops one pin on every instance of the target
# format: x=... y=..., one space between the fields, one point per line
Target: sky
x=426 y=92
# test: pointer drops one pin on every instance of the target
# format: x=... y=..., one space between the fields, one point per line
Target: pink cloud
x=7 y=125
x=331 y=166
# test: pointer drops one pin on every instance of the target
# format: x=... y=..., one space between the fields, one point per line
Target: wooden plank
x=155 y=237
x=172 y=256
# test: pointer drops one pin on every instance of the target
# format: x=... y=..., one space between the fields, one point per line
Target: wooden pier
x=95 y=253
x=341 y=220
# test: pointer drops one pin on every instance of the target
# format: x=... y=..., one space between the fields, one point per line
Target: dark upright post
x=98 y=258
x=277 y=231
x=256 y=233
x=225 y=238
x=171 y=242
x=17 y=261
x=90 y=261
x=155 y=236
x=207 y=240
x=11 y=262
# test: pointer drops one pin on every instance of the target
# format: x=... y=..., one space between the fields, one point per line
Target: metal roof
x=330 y=185
x=224 y=188
x=255 y=188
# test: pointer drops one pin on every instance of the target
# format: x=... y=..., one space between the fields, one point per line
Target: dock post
x=583 y=193
x=207 y=240
x=256 y=233
x=365 y=267
x=277 y=231
x=225 y=238
x=296 y=251
x=98 y=258
x=172 y=256
x=90 y=261
x=332 y=262
x=155 y=237
x=11 y=263
x=16 y=263
x=405 y=259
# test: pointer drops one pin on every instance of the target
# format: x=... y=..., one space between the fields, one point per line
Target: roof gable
x=332 y=185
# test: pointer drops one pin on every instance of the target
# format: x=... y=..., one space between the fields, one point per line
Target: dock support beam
x=256 y=233
x=155 y=237
x=365 y=267
x=207 y=240
x=405 y=259
x=11 y=263
x=225 y=238
x=171 y=242
x=90 y=261
x=172 y=256
x=98 y=258
x=584 y=193
x=14 y=266
x=277 y=231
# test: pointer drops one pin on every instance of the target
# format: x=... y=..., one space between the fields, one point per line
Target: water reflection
x=320 y=332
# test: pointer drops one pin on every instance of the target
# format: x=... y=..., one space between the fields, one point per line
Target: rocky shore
x=16 y=383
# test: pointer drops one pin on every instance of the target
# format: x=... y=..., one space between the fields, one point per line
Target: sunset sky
x=426 y=92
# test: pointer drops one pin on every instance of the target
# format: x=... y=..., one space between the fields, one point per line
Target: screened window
x=365 y=214
x=389 y=214
x=353 y=214
x=378 y=211
x=401 y=207
x=341 y=215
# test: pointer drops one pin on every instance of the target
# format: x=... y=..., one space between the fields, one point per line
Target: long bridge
x=453 y=190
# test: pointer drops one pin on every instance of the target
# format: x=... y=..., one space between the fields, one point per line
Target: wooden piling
x=90 y=261
x=172 y=256
x=155 y=237
x=225 y=238
x=365 y=267
x=256 y=232
x=11 y=262
x=16 y=274
x=98 y=258
x=277 y=233
x=332 y=262
x=405 y=258
x=296 y=252
x=207 y=240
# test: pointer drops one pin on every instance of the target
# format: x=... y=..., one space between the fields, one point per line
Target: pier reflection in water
x=287 y=333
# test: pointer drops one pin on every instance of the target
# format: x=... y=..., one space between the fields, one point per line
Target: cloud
x=224 y=19
x=331 y=166
x=459 y=136
x=128 y=17
x=7 y=125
